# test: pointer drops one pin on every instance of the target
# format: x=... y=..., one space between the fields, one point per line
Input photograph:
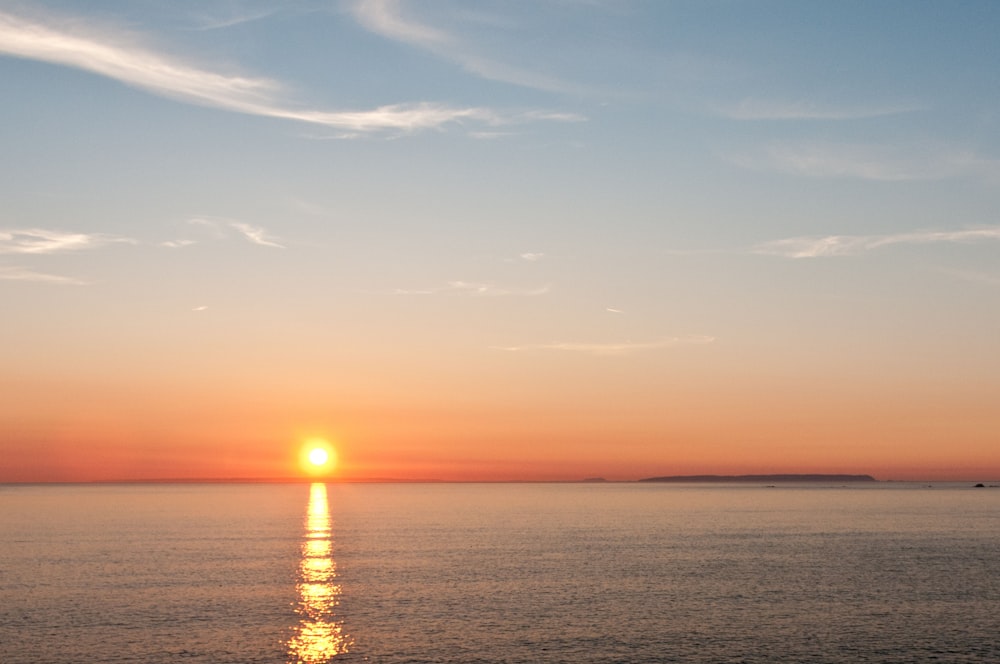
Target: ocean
x=615 y=572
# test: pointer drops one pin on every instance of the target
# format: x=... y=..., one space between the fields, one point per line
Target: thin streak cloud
x=850 y=245
x=760 y=109
x=623 y=348
x=177 y=244
x=205 y=20
x=474 y=289
x=255 y=234
x=385 y=18
x=43 y=241
x=251 y=233
x=882 y=163
x=118 y=56
x=15 y=273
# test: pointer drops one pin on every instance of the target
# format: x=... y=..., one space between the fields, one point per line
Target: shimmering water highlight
x=319 y=636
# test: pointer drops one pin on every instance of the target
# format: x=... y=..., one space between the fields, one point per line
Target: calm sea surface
x=499 y=573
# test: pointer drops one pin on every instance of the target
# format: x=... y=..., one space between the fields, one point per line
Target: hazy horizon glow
x=498 y=242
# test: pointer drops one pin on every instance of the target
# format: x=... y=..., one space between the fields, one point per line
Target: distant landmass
x=761 y=478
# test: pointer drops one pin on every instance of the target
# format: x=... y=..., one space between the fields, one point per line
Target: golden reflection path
x=318 y=636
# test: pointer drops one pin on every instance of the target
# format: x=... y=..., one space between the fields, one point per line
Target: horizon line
x=789 y=478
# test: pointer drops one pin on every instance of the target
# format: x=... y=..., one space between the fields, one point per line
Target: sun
x=317 y=457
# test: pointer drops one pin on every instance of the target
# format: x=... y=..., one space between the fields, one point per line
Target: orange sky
x=615 y=417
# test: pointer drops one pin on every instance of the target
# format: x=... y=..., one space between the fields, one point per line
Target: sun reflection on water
x=318 y=636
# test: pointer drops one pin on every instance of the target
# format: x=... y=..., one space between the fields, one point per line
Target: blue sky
x=262 y=193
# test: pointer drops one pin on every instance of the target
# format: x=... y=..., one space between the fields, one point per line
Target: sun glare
x=317 y=457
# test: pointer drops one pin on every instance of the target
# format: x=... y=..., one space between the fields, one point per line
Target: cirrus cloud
x=850 y=245
x=217 y=226
x=116 y=54
x=879 y=163
x=474 y=289
x=45 y=241
x=614 y=348
x=761 y=109
x=387 y=19
x=17 y=273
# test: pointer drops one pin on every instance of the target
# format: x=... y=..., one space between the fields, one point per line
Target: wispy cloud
x=118 y=56
x=310 y=208
x=228 y=15
x=121 y=56
x=251 y=233
x=177 y=244
x=489 y=135
x=526 y=257
x=255 y=234
x=849 y=245
x=762 y=109
x=44 y=241
x=623 y=348
x=386 y=18
x=474 y=289
x=15 y=273
x=338 y=136
x=869 y=162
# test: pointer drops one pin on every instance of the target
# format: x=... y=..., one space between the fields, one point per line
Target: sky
x=499 y=240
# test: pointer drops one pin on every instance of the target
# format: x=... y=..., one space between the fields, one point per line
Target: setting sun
x=317 y=457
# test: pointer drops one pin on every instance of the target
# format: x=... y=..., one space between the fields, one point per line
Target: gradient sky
x=499 y=240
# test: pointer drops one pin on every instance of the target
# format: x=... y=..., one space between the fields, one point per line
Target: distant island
x=761 y=478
